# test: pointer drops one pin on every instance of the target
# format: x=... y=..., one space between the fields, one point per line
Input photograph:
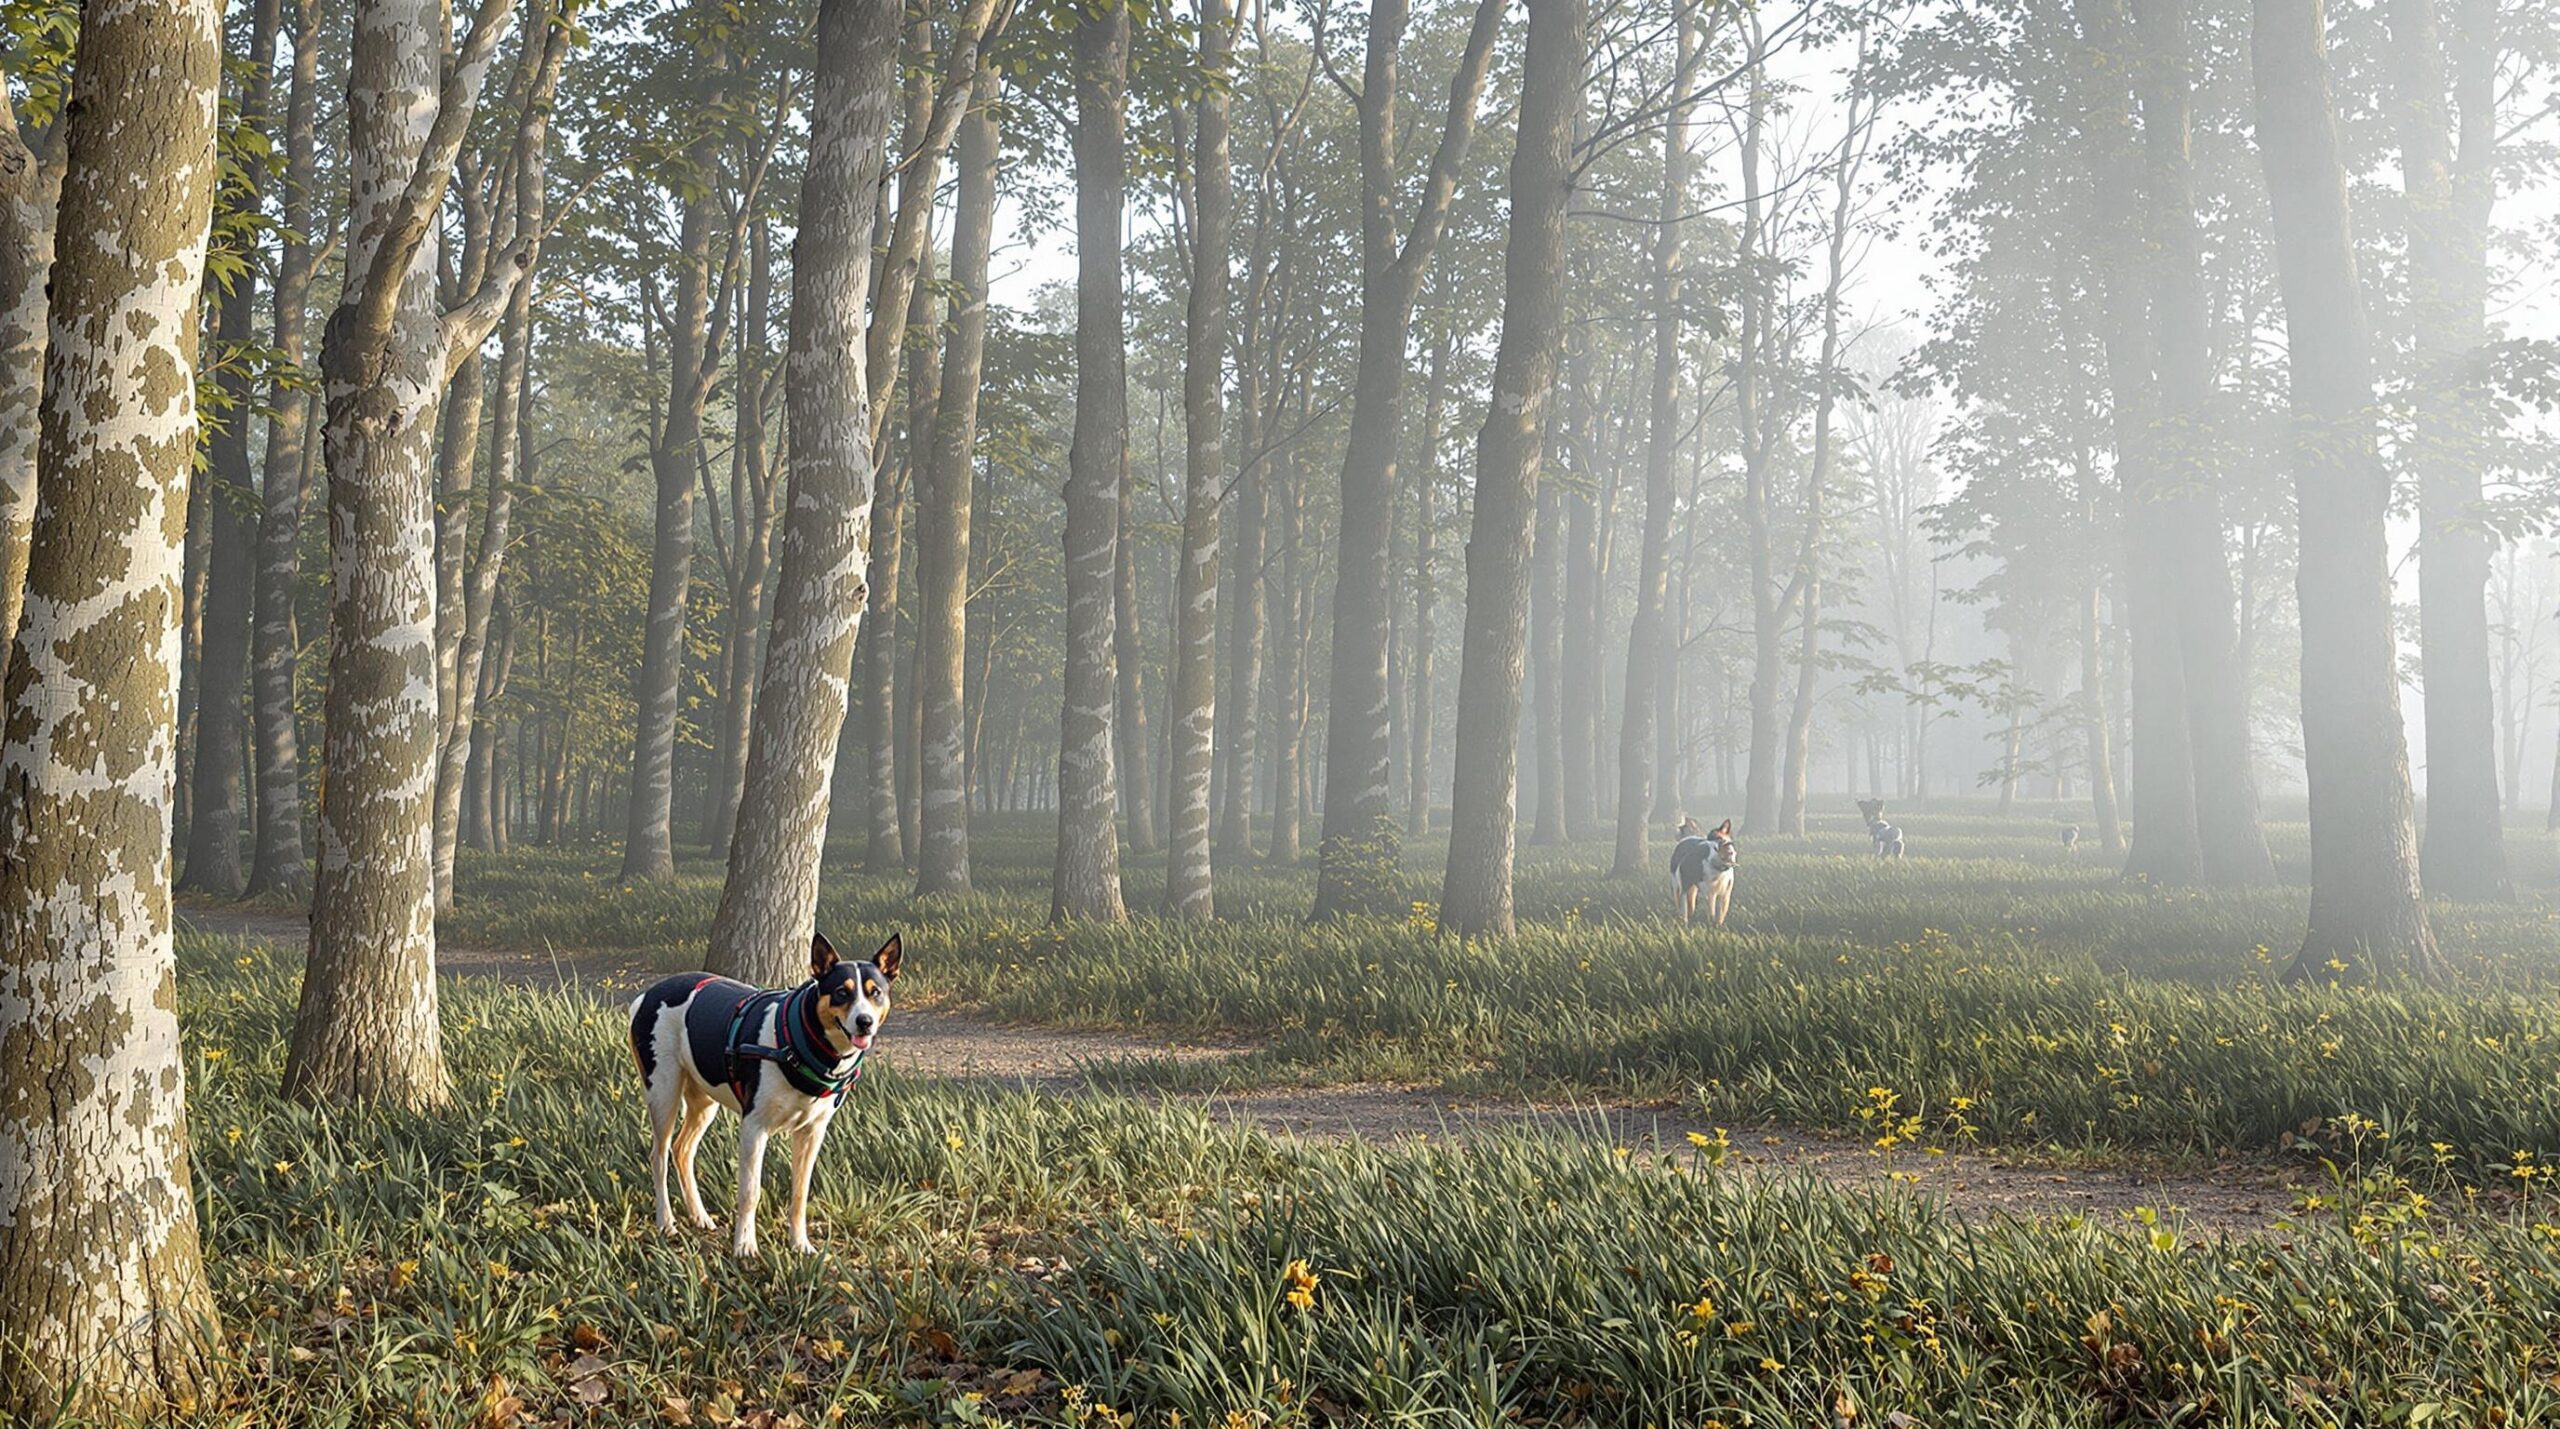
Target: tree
x=1358 y=757
x=2366 y=919
x=275 y=640
x=1475 y=895
x=944 y=507
x=366 y=1028
x=104 y=1309
x=1189 y=888
x=30 y=187
x=1638 y=795
x=2451 y=189
x=767 y=905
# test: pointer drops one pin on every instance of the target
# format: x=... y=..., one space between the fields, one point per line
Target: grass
x=1988 y=989
x=998 y=1257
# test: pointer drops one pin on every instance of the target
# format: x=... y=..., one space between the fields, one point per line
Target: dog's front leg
x=697 y=1120
x=664 y=1119
x=804 y=1159
x=751 y=1139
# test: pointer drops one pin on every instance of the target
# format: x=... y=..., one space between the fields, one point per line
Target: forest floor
x=2237 y=1195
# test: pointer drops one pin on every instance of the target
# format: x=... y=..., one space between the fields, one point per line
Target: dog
x=1887 y=838
x=2070 y=838
x=781 y=1059
x=1704 y=859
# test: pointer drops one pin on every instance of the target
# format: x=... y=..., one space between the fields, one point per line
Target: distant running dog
x=780 y=1059
x=2070 y=838
x=1887 y=838
x=1704 y=859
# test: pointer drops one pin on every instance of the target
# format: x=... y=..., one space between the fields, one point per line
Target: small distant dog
x=2070 y=838
x=781 y=1059
x=1704 y=859
x=1887 y=838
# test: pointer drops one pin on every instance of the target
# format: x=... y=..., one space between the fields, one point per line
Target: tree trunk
x=944 y=509
x=2367 y=922
x=1359 y=839
x=217 y=803
x=104 y=1309
x=1288 y=664
x=883 y=847
x=1644 y=791
x=1546 y=667
x=2100 y=717
x=275 y=634
x=896 y=776
x=366 y=1029
x=1756 y=432
x=1426 y=633
x=30 y=187
x=1475 y=896
x=769 y=903
x=1085 y=882
x=2450 y=194
x=752 y=491
x=1129 y=710
x=648 y=847
x=1190 y=891
x=2232 y=846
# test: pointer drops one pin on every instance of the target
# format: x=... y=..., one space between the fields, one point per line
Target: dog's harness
x=800 y=1049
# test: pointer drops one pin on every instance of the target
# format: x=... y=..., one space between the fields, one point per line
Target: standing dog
x=1704 y=860
x=1886 y=838
x=780 y=1059
x=2070 y=838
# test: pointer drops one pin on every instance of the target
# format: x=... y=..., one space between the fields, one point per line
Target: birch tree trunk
x=752 y=499
x=884 y=848
x=1189 y=887
x=2450 y=194
x=1475 y=895
x=30 y=187
x=767 y=906
x=1642 y=789
x=1359 y=835
x=104 y=1309
x=1426 y=560
x=275 y=638
x=1132 y=742
x=945 y=506
x=1545 y=667
x=2367 y=923
x=366 y=1029
x=1086 y=880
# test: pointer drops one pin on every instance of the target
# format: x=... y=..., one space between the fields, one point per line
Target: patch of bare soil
x=935 y=1042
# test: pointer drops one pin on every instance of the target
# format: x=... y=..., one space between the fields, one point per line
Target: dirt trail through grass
x=2241 y=1198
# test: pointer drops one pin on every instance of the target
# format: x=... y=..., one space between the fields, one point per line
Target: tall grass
x=1990 y=985
x=994 y=1257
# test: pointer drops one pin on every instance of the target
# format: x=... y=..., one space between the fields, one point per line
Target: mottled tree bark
x=761 y=931
x=2367 y=922
x=1133 y=744
x=1190 y=890
x=366 y=1029
x=30 y=186
x=751 y=499
x=945 y=506
x=1086 y=880
x=104 y=1309
x=275 y=637
x=885 y=847
x=1359 y=831
x=1475 y=895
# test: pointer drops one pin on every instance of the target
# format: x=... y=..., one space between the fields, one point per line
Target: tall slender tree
x=1086 y=880
x=366 y=1028
x=1189 y=888
x=1358 y=756
x=761 y=931
x=2366 y=918
x=1475 y=895
x=30 y=188
x=104 y=1309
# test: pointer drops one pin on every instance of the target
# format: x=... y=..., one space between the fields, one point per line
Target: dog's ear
x=888 y=958
x=1725 y=828
x=822 y=955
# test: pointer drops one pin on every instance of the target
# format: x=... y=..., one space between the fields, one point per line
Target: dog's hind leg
x=666 y=1111
x=752 y=1136
x=804 y=1159
x=700 y=1111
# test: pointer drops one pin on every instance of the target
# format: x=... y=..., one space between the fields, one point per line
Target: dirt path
x=941 y=1042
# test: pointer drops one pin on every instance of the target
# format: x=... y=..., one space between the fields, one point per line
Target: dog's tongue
x=861 y=1044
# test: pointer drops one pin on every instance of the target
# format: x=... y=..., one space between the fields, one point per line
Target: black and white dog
x=1704 y=859
x=781 y=1059
x=1886 y=837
